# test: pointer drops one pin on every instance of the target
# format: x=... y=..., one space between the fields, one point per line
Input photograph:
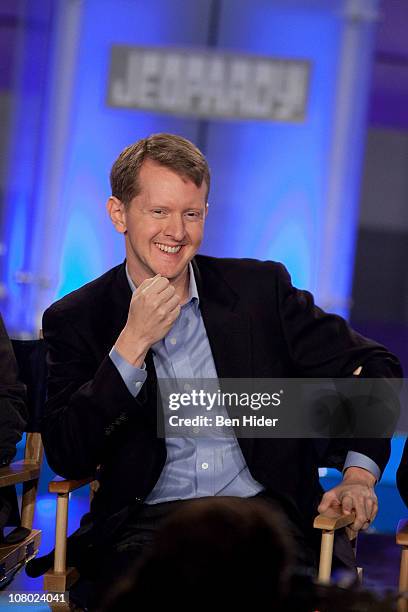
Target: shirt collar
x=192 y=289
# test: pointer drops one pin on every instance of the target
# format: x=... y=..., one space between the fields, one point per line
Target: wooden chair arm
x=19 y=471
x=332 y=520
x=60 y=485
x=402 y=532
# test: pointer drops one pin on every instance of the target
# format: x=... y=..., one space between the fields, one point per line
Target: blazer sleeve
x=13 y=410
x=322 y=345
x=88 y=402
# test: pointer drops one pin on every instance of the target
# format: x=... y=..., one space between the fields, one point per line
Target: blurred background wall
x=281 y=190
x=326 y=195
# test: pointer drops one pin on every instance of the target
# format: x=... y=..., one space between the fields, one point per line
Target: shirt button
x=204 y=466
x=187 y=387
x=173 y=341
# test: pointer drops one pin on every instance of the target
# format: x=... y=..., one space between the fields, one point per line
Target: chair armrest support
x=332 y=520
x=402 y=532
x=19 y=471
x=60 y=485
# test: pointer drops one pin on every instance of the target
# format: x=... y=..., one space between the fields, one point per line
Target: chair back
x=30 y=356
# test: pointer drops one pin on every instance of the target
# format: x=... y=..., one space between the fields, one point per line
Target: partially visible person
x=216 y=550
x=229 y=552
x=13 y=419
x=402 y=475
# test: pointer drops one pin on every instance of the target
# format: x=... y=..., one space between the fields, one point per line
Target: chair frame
x=402 y=540
x=27 y=471
x=60 y=578
x=328 y=524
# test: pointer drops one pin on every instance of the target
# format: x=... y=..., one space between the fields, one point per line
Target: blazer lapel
x=228 y=330
x=112 y=319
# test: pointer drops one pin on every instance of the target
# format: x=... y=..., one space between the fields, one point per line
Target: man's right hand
x=153 y=309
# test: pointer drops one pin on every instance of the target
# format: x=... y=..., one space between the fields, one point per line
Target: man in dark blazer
x=13 y=419
x=167 y=312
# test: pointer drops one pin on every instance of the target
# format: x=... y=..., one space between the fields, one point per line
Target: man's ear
x=117 y=213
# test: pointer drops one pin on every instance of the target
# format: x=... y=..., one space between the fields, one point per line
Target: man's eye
x=193 y=214
x=158 y=212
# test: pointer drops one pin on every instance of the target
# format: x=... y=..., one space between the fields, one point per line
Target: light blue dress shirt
x=198 y=467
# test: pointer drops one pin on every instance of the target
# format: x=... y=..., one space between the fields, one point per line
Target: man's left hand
x=354 y=494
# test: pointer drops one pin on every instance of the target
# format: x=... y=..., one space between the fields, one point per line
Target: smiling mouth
x=168 y=249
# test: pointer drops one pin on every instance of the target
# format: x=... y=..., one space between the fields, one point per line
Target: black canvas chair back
x=30 y=356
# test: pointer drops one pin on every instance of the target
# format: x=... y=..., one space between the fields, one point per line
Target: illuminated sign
x=208 y=84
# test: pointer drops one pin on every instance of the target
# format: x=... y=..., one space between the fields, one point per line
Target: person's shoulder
x=240 y=268
x=93 y=293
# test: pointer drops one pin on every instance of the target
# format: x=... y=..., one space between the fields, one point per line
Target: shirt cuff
x=355 y=459
x=132 y=377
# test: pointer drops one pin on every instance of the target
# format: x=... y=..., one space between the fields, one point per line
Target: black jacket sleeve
x=323 y=345
x=88 y=402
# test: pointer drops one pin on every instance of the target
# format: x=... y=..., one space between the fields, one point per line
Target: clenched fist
x=153 y=309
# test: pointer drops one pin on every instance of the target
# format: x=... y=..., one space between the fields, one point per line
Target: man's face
x=164 y=224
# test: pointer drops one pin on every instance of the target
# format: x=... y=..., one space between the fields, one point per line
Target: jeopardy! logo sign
x=208 y=84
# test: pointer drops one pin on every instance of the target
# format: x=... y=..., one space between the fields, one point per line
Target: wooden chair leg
x=60 y=578
x=326 y=556
x=403 y=580
x=402 y=605
x=28 y=503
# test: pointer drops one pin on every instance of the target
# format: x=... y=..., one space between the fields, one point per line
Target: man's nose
x=175 y=227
